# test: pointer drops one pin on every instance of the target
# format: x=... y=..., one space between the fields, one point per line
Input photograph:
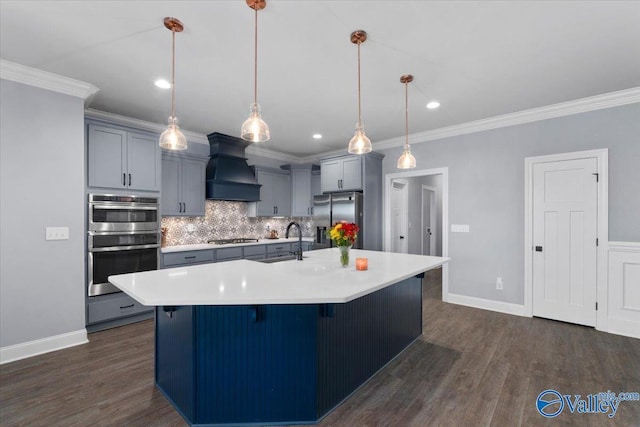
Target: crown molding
x=272 y=154
x=46 y=80
x=142 y=124
x=583 y=105
x=191 y=136
x=598 y=102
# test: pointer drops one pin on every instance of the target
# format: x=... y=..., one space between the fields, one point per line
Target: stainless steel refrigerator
x=331 y=208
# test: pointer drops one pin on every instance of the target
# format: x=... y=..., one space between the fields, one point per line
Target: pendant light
x=359 y=144
x=406 y=160
x=173 y=138
x=255 y=129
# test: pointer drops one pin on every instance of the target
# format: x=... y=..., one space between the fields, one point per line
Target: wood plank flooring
x=470 y=368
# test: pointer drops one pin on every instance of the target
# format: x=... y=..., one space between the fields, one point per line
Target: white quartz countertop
x=317 y=279
x=203 y=246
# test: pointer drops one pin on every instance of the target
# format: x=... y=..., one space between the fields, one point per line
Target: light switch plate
x=459 y=228
x=57 y=233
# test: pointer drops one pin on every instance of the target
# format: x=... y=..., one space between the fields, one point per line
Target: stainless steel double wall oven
x=123 y=237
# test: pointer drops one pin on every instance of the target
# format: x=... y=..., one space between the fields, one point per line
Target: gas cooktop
x=236 y=240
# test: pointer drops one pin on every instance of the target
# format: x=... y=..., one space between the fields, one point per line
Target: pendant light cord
x=359 y=106
x=173 y=74
x=255 y=59
x=406 y=115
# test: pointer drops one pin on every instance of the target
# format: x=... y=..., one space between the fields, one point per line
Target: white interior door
x=429 y=229
x=564 y=240
x=399 y=216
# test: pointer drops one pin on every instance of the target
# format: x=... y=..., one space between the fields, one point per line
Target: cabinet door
x=193 y=187
x=143 y=162
x=282 y=194
x=170 y=200
x=300 y=192
x=330 y=175
x=106 y=157
x=352 y=173
x=316 y=188
x=265 y=207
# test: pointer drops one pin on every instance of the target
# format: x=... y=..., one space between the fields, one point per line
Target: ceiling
x=478 y=59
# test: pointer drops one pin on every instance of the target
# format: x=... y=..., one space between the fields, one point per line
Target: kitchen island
x=242 y=342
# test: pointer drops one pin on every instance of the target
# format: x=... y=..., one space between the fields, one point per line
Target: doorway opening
x=421 y=227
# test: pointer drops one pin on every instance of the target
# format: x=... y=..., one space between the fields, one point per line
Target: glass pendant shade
x=359 y=144
x=406 y=160
x=255 y=129
x=172 y=138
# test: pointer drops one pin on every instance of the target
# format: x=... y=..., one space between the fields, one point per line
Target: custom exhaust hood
x=229 y=177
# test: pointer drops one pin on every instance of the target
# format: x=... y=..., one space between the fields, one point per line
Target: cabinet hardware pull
x=122 y=307
x=129 y=180
x=190 y=257
x=124 y=179
x=184 y=206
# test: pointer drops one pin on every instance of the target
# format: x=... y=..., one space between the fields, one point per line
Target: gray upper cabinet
x=121 y=159
x=316 y=187
x=275 y=193
x=341 y=174
x=301 y=195
x=183 y=185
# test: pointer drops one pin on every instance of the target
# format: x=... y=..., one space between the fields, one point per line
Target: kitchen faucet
x=286 y=235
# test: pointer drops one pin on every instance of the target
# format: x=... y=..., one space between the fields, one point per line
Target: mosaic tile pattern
x=227 y=220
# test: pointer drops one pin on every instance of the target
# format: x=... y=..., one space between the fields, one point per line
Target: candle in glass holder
x=362 y=263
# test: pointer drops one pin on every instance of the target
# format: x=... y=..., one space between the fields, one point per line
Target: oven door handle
x=123 y=248
x=127 y=233
x=128 y=206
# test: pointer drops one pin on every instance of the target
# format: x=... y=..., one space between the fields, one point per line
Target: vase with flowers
x=344 y=234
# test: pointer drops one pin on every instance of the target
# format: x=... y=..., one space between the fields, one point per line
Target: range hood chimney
x=229 y=177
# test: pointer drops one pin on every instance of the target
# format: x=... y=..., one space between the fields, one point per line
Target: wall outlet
x=459 y=228
x=57 y=233
x=191 y=228
x=499 y=283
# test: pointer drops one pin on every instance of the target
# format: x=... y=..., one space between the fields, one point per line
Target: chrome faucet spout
x=286 y=235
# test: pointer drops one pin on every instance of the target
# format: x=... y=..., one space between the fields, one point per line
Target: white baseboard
x=15 y=352
x=622 y=327
x=485 y=304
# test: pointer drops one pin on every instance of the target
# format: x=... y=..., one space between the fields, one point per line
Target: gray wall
x=41 y=184
x=486 y=190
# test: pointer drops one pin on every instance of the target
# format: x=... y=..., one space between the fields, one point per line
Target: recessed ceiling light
x=163 y=84
x=433 y=105
x=317 y=136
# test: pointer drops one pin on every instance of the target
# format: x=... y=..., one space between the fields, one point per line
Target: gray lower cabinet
x=121 y=159
x=228 y=254
x=181 y=259
x=113 y=310
x=183 y=185
x=306 y=246
x=278 y=250
x=255 y=252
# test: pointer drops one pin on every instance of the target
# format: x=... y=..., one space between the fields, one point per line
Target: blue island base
x=279 y=364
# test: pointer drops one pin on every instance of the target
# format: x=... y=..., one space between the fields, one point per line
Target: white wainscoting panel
x=624 y=289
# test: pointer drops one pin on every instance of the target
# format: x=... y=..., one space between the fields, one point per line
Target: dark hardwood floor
x=470 y=368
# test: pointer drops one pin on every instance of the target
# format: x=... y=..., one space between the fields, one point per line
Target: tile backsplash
x=227 y=220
